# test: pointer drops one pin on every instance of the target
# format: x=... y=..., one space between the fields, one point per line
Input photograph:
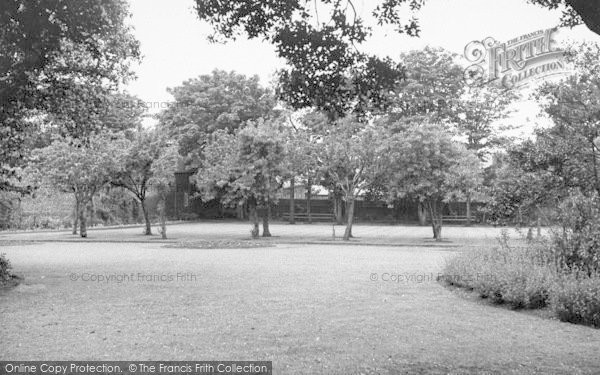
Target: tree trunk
x=253 y=216
x=92 y=212
x=292 y=200
x=308 y=200
x=82 y=220
x=76 y=216
x=422 y=214
x=135 y=212
x=468 y=210
x=162 y=213
x=266 y=217
x=338 y=208
x=436 y=220
x=148 y=231
x=350 y=220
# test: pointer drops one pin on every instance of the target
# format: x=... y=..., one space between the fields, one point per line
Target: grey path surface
x=282 y=232
x=311 y=309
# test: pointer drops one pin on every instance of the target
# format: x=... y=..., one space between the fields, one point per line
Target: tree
x=517 y=191
x=162 y=171
x=255 y=20
x=81 y=168
x=218 y=101
x=479 y=109
x=432 y=87
x=576 y=12
x=570 y=149
x=54 y=47
x=424 y=164
x=352 y=156
x=136 y=168
x=319 y=41
x=467 y=178
x=245 y=167
x=302 y=156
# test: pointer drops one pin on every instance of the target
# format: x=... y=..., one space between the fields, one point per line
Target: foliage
x=521 y=276
x=81 y=168
x=569 y=149
x=71 y=165
x=162 y=178
x=575 y=12
x=576 y=244
x=560 y=159
x=302 y=151
x=516 y=194
x=245 y=167
x=219 y=101
x=5 y=270
x=319 y=41
x=432 y=87
x=135 y=168
x=352 y=157
x=163 y=168
x=465 y=177
x=57 y=56
x=577 y=300
x=426 y=164
x=476 y=116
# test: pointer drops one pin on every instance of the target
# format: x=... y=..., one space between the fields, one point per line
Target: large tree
x=135 y=170
x=353 y=156
x=217 y=101
x=247 y=167
x=571 y=148
x=255 y=20
x=432 y=87
x=425 y=163
x=320 y=41
x=477 y=117
x=56 y=54
x=302 y=162
x=162 y=179
x=81 y=168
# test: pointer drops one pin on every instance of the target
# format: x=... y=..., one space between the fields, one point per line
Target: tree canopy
x=246 y=167
x=428 y=165
x=57 y=54
x=217 y=101
x=319 y=41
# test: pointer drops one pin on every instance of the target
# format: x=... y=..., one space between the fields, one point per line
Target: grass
x=308 y=308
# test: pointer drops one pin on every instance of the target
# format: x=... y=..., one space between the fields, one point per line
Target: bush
x=576 y=244
x=520 y=276
x=5 y=270
x=576 y=299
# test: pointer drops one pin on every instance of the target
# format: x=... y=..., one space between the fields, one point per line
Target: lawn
x=311 y=309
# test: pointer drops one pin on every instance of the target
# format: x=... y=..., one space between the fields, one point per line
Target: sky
x=175 y=48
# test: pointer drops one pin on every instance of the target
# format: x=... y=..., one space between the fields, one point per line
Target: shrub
x=576 y=244
x=5 y=270
x=576 y=299
x=520 y=276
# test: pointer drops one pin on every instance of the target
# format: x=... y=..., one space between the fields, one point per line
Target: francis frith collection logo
x=515 y=63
